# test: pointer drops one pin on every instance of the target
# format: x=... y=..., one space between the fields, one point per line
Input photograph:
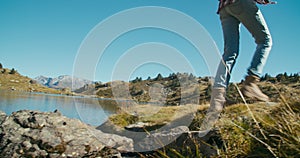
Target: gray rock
x=175 y=136
x=160 y=139
x=49 y=134
x=179 y=138
x=208 y=144
x=2 y=116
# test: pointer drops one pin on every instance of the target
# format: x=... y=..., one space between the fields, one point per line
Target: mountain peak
x=63 y=81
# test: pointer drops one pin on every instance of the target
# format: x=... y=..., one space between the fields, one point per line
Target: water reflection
x=89 y=110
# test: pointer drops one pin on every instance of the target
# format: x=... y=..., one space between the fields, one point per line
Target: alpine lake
x=93 y=111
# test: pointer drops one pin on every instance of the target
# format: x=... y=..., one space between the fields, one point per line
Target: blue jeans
x=232 y=16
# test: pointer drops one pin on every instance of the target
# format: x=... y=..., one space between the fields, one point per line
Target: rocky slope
x=11 y=80
x=49 y=134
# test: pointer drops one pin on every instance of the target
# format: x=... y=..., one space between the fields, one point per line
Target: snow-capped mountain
x=43 y=80
x=64 y=81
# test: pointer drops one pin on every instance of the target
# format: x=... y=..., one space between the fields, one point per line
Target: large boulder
x=49 y=134
x=149 y=137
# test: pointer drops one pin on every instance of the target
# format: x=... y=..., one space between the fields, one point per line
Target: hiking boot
x=217 y=99
x=251 y=90
x=217 y=102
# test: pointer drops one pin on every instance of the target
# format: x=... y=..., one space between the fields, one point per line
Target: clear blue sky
x=43 y=37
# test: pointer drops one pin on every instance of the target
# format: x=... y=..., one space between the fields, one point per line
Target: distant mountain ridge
x=63 y=81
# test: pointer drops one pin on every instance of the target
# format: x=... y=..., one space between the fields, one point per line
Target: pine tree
x=12 y=71
x=158 y=77
x=266 y=77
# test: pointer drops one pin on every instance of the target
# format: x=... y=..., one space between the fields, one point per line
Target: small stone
x=27 y=145
x=2 y=116
x=43 y=153
x=35 y=146
x=21 y=151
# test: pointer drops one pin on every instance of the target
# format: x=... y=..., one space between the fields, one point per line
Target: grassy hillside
x=255 y=129
x=170 y=91
x=258 y=131
x=11 y=80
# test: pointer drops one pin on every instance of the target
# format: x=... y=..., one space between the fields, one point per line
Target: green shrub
x=3 y=71
x=13 y=71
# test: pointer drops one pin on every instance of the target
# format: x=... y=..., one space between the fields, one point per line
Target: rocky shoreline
x=50 y=134
x=28 y=133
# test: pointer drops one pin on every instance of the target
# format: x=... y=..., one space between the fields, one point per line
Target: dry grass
x=17 y=82
x=153 y=114
x=246 y=130
x=240 y=135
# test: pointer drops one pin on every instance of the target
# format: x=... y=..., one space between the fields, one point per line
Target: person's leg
x=254 y=21
x=231 y=30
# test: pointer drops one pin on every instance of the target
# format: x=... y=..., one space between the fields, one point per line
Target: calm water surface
x=93 y=111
